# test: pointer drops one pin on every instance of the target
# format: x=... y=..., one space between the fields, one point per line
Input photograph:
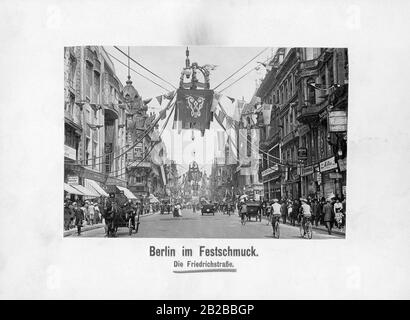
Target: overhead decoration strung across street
x=194 y=99
x=193 y=109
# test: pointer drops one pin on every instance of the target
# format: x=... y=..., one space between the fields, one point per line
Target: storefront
x=308 y=181
x=291 y=186
x=330 y=178
x=271 y=183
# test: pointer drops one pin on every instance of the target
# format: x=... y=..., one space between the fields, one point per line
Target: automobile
x=208 y=208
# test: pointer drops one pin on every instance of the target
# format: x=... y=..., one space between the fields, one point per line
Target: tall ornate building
x=94 y=122
x=303 y=152
x=144 y=176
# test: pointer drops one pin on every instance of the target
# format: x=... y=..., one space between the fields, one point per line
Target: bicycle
x=243 y=220
x=306 y=228
x=275 y=226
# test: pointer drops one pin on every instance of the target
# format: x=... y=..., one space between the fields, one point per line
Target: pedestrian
x=328 y=215
x=305 y=213
x=295 y=212
x=79 y=217
x=67 y=215
x=290 y=211
x=315 y=211
x=97 y=213
x=276 y=212
x=338 y=213
x=344 y=211
x=91 y=212
x=284 y=211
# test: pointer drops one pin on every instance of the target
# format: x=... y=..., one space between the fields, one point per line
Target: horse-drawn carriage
x=253 y=209
x=119 y=212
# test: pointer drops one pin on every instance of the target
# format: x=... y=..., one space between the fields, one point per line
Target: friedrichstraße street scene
x=205 y=142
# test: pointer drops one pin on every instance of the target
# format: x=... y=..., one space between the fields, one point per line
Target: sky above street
x=167 y=62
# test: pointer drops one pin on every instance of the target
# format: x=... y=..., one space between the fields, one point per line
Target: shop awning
x=93 y=184
x=85 y=191
x=127 y=193
x=153 y=199
x=71 y=190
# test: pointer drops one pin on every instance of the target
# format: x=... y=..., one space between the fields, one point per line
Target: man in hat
x=306 y=213
x=284 y=210
x=328 y=215
x=276 y=208
x=79 y=217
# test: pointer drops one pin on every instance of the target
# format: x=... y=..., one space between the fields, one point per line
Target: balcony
x=308 y=68
x=309 y=114
x=289 y=137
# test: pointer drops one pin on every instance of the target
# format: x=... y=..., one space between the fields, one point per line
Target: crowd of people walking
x=80 y=213
x=330 y=212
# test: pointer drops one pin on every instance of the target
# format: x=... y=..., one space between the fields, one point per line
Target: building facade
x=93 y=120
x=306 y=89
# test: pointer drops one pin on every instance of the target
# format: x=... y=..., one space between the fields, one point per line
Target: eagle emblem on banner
x=195 y=104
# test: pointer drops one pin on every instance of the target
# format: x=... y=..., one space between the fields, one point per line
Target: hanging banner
x=194 y=108
x=221 y=140
x=266 y=111
x=164 y=179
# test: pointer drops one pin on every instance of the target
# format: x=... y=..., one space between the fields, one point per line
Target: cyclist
x=306 y=213
x=130 y=212
x=275 y=212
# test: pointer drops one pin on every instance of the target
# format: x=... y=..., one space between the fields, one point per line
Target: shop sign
x=272 y=169
x=302 y=153
x=72 y=179
x=328 y=164
x=342 y=164
x=335 y=175
x=307 y=171
x=337 y=121
x=70 y=153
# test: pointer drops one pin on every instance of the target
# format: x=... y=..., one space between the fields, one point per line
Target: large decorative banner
x=193 y=108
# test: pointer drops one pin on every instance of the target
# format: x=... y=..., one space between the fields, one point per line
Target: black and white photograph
x=240 y=142
x=228 y=151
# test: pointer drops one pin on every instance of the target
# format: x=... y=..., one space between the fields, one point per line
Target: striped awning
x=85 y=191
x=127 y=193
x=91 y=184
x=71 y=190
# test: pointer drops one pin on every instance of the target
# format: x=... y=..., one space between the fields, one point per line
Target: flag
x=159 y=99
x=215 y=101
x=231 y=156
x=147 y=101
x=229 y=122
x=232 y=99
x=194 y=107
x=221 y=140
x=163 y=114
x=266 y=111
